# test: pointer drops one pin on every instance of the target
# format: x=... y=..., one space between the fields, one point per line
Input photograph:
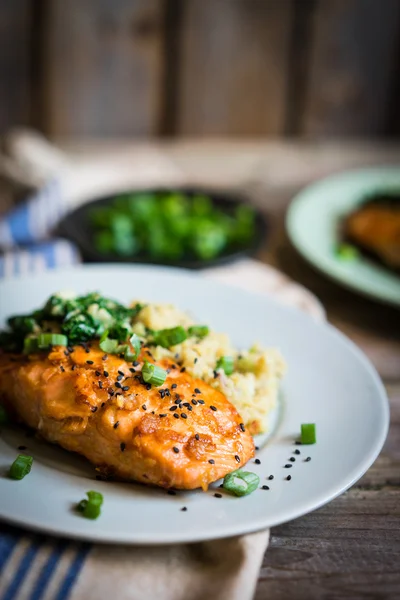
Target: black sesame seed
x=173 y=386
x=211 y=461
x=271 y=477
x=176 y=415
x=102 y=404
x=125 y=388
x=265 y=487
x=66 y=352
x=184 y=416
x=194 y=402
x=97 y=373
x=242 y=427
x=93 y=408
x=256 y=447
x=152 y=412
x=70 y=349
x=175 y=449
x=118 y=385
x=122 y=446
x=104 y=357
x=201 y=401
x=173 y=367
x=120 y=372
x=257 y=461
x=297 y=451
x=120 y=377
x=73 y=367
x=190 y=408
x=148 y=386
x=197 y=391
x=308 y=459
x=215 y=374
x=177 y=396
x=221 y=485
x=89 y=362
x=213 y=408
x=111 y=392
x=186 y=404
x=105 y=373
x=100 y=384
x=135 y=363
x=87 y=350
x=171 y=492
x=289 y=477
x=292 y=459
x=21 y=447
x=197 y=436
x=62 y=369
x=195 y=361
x=298 y=443
x=184 y=509
x=116 y=424
x=173 y=408
x=237 y=458
x=144 y=407
x=183 y=369
x=217 y=495
x=162 y=415
x=288 y=466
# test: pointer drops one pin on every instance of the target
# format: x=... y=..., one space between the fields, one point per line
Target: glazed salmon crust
x=183 y=435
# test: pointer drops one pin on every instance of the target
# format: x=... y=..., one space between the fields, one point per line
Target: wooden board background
x=187 y=68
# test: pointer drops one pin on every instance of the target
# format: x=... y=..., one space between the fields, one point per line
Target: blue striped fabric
x=25 y=246
x=18 y=551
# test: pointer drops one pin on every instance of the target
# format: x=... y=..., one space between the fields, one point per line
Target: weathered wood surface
x=349 y=549
x=233 y=67
x=352 y=60
x=103 y=67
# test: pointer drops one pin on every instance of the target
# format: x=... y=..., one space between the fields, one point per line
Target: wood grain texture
x=352 y=67
x=233 y=67
x=103 y=69
x=15 y=21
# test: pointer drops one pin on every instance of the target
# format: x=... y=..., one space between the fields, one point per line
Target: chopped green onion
x=45 y=340
x=135 y=342
x=199 y=331
x=110 y=346
x=169 y=337
x=346 y=252
x=225 y=363
x=241 y=483
x=30 y=345
x=3 y=416
x=308 y=433
x=21 y=466
x=153 y=374
x=91 y=507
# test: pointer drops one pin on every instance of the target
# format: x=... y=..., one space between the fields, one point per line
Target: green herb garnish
x=346 y=252
x=153 y=374
x=91 y=507
x=21 y=466
x=226 y=364
x=199 y=331
x=241 y=483
x=169 y=337
x=308 y=433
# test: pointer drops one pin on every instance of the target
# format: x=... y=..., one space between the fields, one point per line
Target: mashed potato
x=252 y=387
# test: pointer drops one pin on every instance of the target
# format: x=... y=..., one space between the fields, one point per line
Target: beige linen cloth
x=224 y=569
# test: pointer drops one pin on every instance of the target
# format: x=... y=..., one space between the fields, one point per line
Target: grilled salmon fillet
x=184 y=434
x=375 y=227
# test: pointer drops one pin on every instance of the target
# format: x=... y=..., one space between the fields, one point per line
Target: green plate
x=313 y=221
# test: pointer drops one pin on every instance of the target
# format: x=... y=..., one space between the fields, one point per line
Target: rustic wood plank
x=15 y=21
x=353 y=58
x=104 y=67
x=233 y=67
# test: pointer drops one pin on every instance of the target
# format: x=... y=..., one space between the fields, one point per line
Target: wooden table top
x=349 y=549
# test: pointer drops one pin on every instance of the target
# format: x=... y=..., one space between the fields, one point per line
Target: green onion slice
x=110 y=346
x=91 y=507
x=308 y=433
x=3 y=416
x=347 y=252
x=30 y=345
x=199 y=331
x=241 y=483
x=135 y=342
x=21 y=466
x=44 y=340
x=153 y=374
x=225 y=363
x=169 y=337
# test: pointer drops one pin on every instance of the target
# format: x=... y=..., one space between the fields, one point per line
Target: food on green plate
x=21 y=466
x=170 y=226
x=143 y=392
x=374 y=228
x=308 y=433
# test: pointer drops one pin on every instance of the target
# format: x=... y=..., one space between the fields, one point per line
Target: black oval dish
x=76 y=227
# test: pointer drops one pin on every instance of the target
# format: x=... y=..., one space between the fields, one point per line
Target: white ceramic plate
x=313 y=222
x=328 y=382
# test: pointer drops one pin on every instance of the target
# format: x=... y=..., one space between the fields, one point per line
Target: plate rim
x=183 y=536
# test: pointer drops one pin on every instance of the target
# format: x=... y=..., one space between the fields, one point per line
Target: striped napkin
x=39 y=567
